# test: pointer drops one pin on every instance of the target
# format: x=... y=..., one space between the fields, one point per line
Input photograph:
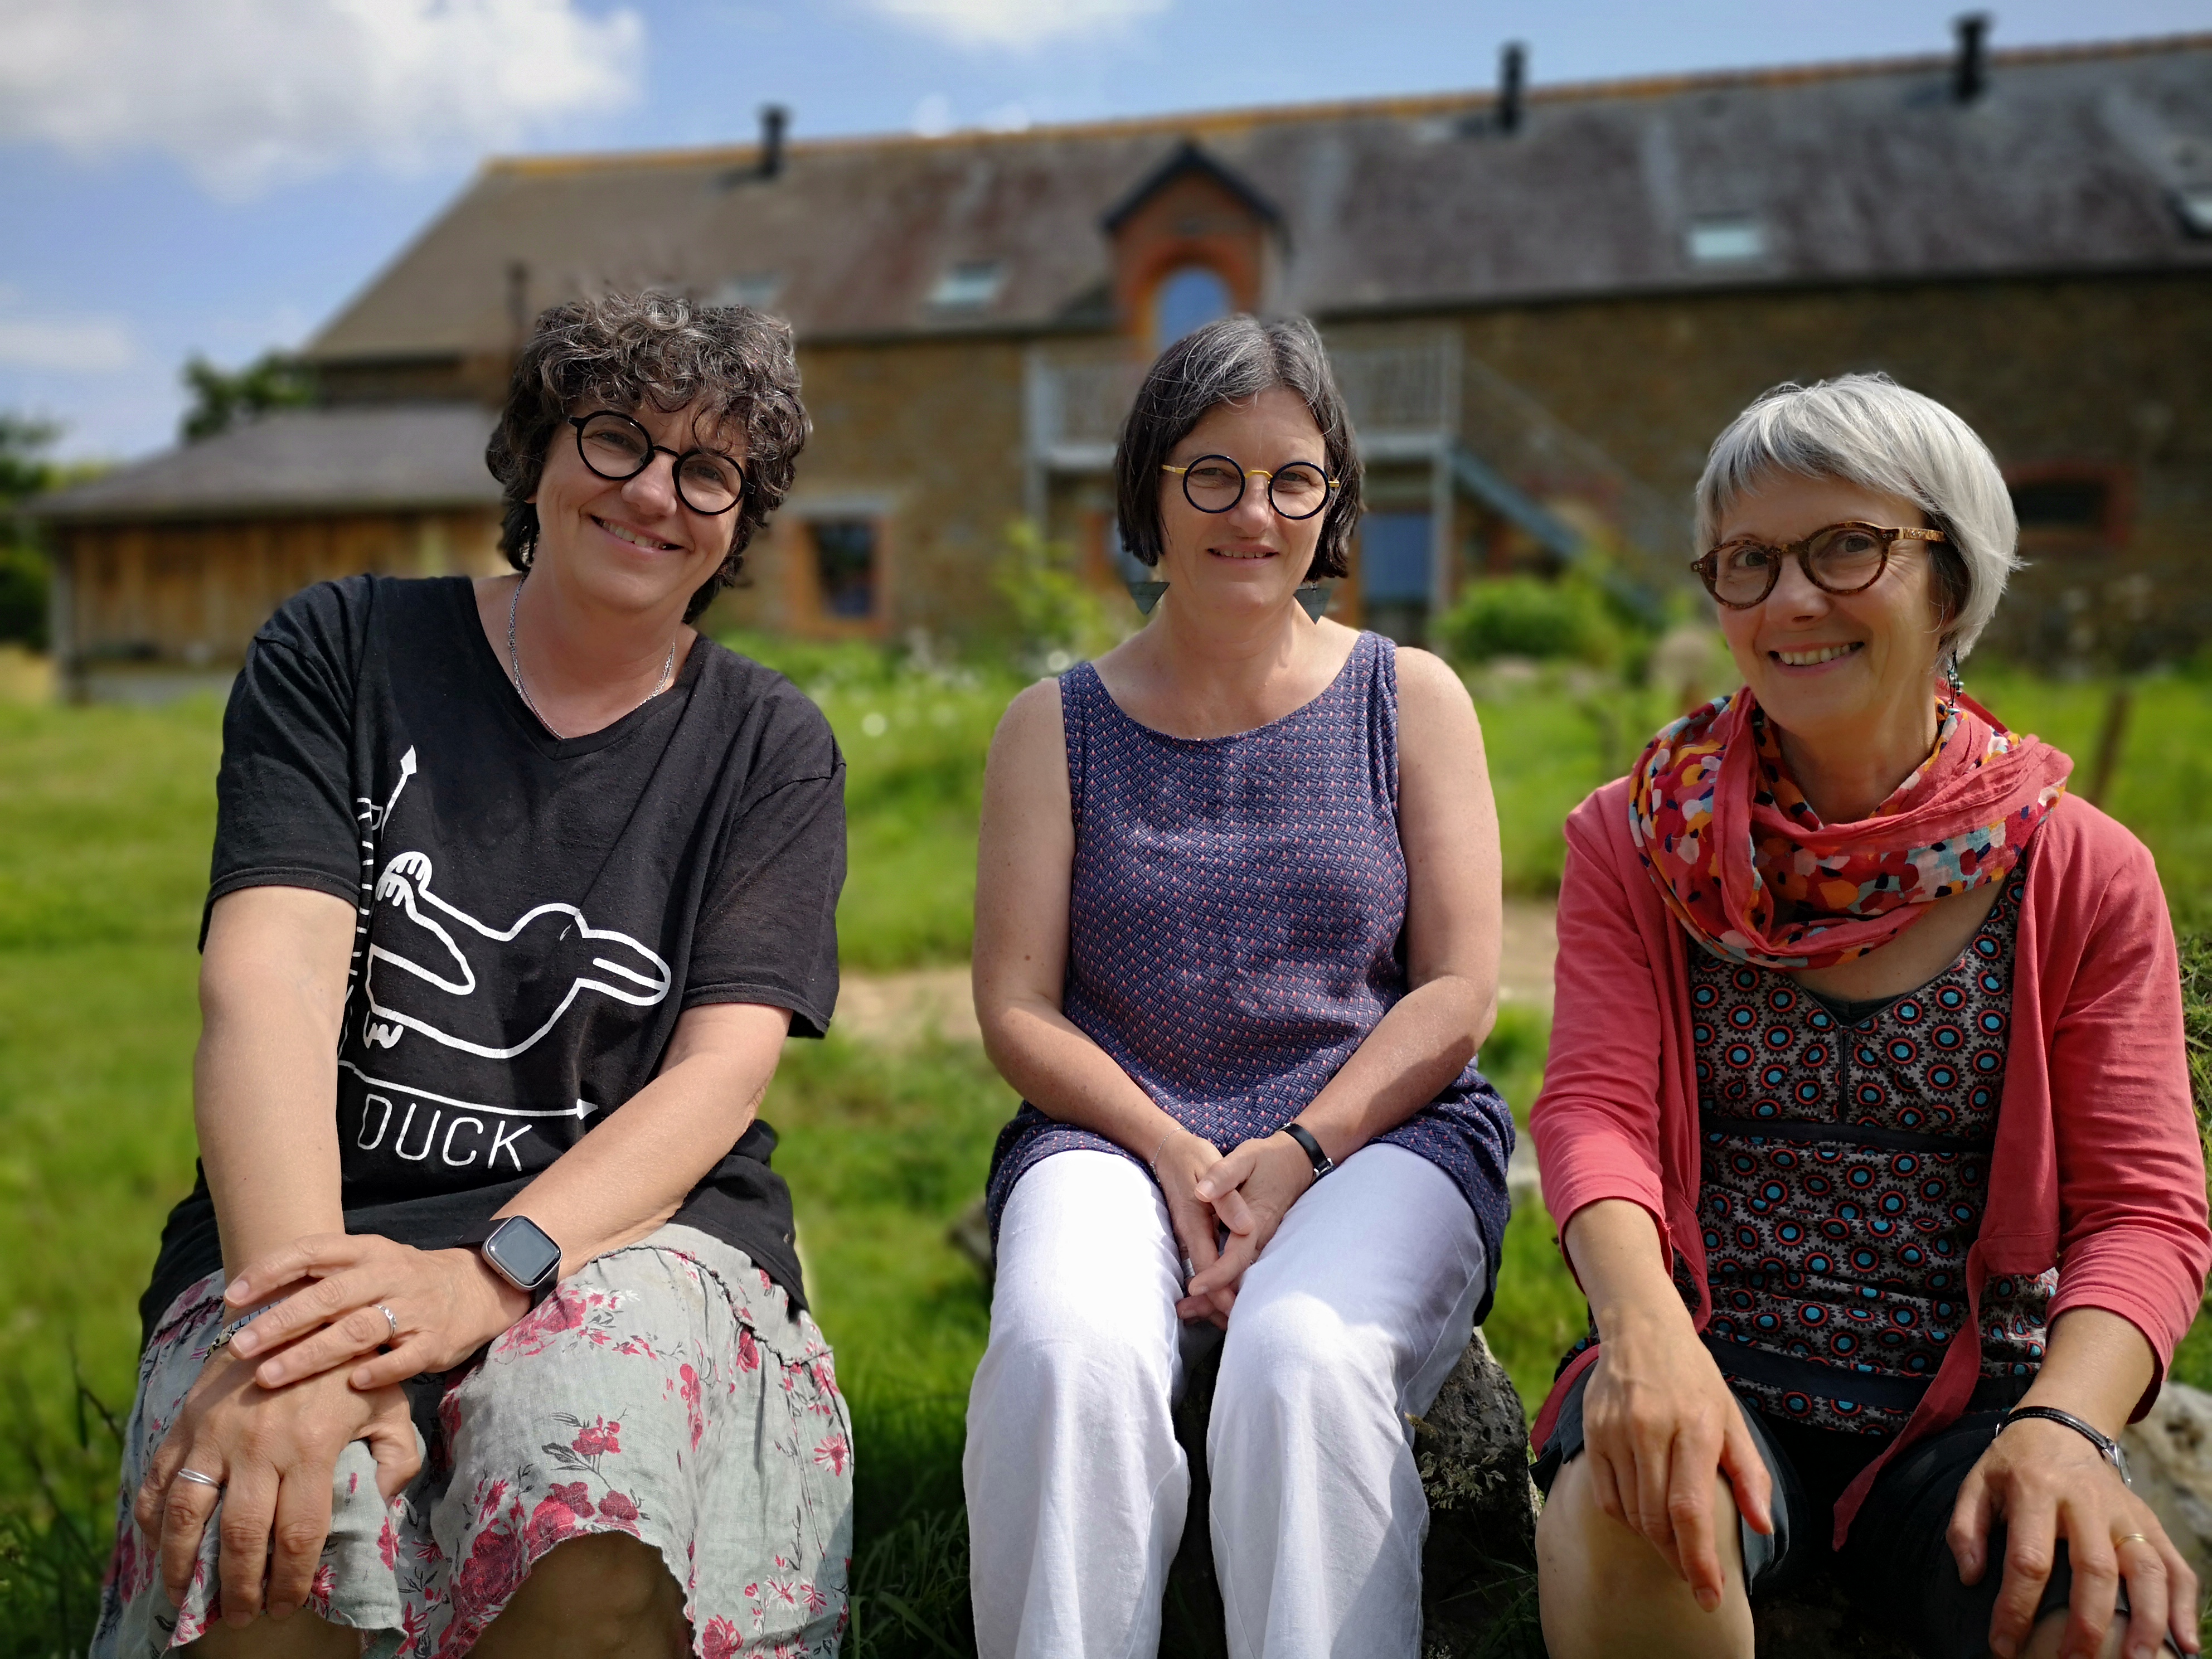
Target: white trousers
x=1349 y=1321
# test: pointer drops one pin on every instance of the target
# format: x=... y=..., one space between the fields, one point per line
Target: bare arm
x=618 y=1185
x=1025 y=856
x=272 y=992
x=1447 y=826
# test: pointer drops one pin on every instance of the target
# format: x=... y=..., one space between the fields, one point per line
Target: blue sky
x=220 y=177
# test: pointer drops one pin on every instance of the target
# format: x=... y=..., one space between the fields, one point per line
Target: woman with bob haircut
x=482 y=1330
x=1867 y=1119
x=1237 y=937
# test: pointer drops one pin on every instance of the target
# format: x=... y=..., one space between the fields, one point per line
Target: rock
x=970 y=1235
x=2170 y=1455
x=1479 y=1569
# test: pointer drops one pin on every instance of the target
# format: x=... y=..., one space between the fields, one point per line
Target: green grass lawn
x=105 y=818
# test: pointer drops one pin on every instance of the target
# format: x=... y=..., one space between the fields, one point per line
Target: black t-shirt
x=534 y=913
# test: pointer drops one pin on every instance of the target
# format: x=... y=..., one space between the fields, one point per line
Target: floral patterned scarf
x=1746 y=865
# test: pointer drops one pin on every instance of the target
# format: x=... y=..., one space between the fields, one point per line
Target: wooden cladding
x=195 y=593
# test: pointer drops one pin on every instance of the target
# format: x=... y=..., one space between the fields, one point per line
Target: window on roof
x=970 y=286
x=2196 y=206
x=1187 y=298
x=759 y=289
x=1727 y=241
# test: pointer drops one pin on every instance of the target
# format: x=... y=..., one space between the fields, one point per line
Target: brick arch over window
x=1191 y=212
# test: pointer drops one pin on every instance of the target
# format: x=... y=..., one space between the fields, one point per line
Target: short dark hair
x=624 y=350
x=1226 y=361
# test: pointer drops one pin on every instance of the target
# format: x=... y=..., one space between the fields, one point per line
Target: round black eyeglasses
x=615 y=446
x=1214 y=483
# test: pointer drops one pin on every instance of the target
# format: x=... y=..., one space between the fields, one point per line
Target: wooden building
x=1541 y=307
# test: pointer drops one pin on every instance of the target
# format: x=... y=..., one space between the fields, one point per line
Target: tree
x=24 y=472
x=221 y=399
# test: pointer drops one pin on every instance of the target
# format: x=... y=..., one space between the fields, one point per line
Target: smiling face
x=1250 y=558
x=631 y=543
x=1825 y=665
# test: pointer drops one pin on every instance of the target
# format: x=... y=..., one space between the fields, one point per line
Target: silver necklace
x=515 y=666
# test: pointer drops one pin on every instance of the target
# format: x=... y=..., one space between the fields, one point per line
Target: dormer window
x=970 y=286
x=1187 y=298
x=1727 y=241
x=759 y=289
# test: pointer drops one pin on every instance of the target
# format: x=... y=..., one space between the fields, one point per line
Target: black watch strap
x=2111 y=1450
x=1321 y=1161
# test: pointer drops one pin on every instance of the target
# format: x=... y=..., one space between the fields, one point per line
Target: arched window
x=1187 y=297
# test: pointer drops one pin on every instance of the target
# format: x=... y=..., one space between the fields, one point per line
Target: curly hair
x=732 y=365
x=1227 y=362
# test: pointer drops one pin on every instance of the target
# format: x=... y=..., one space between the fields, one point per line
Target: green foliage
x=223 y=398
x=24 y=472
x=1527 y=616
x=1059 y=618
x=914 y=736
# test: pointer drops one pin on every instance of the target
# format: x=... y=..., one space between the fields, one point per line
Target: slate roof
x=366 y=458
x=2075 y=159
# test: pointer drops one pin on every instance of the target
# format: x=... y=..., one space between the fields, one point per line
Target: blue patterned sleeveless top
x=1235 y=914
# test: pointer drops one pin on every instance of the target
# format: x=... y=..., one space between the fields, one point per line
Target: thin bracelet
x=222 y=1337
x=1153 y=1162
x=2109 y=1448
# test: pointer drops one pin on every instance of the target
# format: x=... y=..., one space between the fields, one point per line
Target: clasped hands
x=1247 y=1191
x=269 y=1415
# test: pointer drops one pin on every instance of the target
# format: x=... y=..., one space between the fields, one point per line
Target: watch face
x=523 y=1252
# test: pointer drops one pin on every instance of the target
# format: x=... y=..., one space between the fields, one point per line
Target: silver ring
x=389 y=1319
x=199 y=1479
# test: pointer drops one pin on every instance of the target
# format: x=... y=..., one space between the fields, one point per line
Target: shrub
x=1525 y=617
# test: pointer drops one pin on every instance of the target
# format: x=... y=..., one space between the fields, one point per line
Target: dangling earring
x=1146 y=594
x=1952 y=677
x=1313 y=598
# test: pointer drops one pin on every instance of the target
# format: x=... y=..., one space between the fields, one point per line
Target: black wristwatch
x=1321 y=1161
x=520 y=1252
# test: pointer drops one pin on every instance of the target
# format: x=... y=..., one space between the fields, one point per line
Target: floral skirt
x=665 y=1391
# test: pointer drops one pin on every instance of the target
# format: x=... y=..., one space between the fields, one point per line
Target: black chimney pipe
x=774 y=118
x=1970 y=70
x=1512 y=74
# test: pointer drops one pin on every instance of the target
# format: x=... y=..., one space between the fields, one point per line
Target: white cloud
x=82 y=344
x=932 y=115
x=1016 y=23
x=251 y=93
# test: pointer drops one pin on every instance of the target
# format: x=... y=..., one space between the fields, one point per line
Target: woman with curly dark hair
x=483 y=1327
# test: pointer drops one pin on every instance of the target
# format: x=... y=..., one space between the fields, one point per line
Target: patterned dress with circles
x=1838 y=1235
x=1235 y=914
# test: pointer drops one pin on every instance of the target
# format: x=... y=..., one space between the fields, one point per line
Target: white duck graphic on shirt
x=488 y=990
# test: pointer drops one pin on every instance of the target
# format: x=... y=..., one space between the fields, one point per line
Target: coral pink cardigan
x=2097 y=1166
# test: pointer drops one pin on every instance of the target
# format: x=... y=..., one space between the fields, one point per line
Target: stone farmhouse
x=1541 y=302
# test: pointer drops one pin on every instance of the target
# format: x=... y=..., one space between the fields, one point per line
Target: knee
x=1063 y=1346
x=606 y=1578
x=1295 y=1351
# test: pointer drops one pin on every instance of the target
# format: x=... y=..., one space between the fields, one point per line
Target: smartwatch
x=520 y=1252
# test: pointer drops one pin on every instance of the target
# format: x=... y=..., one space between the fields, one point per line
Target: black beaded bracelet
x=2108 y=1447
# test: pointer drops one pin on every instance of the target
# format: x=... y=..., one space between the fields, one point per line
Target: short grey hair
x=1227 y=362
x=624 y=350
x=1866 y=429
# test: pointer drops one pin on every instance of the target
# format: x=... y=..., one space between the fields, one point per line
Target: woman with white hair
x=1867 y=1121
